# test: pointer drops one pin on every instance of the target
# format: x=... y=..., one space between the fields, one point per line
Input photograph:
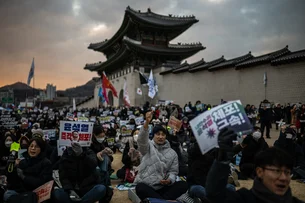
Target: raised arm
x=143 y=139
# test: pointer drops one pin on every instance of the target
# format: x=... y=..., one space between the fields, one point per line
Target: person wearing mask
x=130 y=159
x=31 y=172
x=5 y=148
x=78 y=175
x=159 y=165
x=273 y=169
x=103 y=153
x=24 y=142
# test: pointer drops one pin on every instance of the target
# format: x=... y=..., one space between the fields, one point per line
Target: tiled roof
x=266 y=58
x=181 y=68
x=231 y=62
x=289 y=58
x=207 y=65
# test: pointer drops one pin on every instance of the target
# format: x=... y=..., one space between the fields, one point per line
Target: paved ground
x=122 y=196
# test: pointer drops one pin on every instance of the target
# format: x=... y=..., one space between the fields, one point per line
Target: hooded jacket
x=158 y=161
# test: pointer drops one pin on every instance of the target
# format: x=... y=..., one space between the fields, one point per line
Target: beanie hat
x=37 y=133
x=40 y=142
x=158 y=128
x=98 y=130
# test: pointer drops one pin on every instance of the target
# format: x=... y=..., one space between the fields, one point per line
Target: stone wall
x=285 y=85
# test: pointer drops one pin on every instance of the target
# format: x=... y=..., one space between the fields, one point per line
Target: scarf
x=265 y=195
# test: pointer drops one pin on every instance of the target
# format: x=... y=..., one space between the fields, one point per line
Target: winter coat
x=217 y=192
x=37 y=171
x=78 y=172
x=265 y=115
x=158 y=161
x=198 y=165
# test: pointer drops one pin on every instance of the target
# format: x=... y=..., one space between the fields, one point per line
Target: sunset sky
x=58 y=32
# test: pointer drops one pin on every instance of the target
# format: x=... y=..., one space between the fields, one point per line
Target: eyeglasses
x=279 y=172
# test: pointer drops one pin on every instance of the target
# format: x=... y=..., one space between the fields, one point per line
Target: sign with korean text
x=48 y=134
x=8 y=121
x=44 y=192
x=84 y=130
x=126 y=130
x=174 y=123
x=106 y=119
x=139 y=120
x=207 y=125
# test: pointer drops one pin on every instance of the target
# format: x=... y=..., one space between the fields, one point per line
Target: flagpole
x=33 y=82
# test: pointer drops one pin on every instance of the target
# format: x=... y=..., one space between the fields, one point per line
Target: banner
x=106 y=119
x=83 y=119
x=8 y=121
x=174 y=123
x=139 y=120
x=84 y=130
x=207 y=125
x=44 y=191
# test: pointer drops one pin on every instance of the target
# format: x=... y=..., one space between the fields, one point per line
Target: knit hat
x=158 y=128
x=37 y=133
x=40 y=142
x=98 y=130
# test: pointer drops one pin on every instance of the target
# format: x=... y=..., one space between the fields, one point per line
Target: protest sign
x=70 y=116
x=174 y=123
x=106 y=113
x=139 y=120
x=20 y=153
x=123 y=122
x=110 y=141
x=83 y=119
x=60 y=149
x=8 y=121
x=116 y=112
x=132 y=117
x=92 y=118
x=129 y=113
x=84 y=130
x=106 y=119
x=126 y=130
x=207 y=125
x=48 y=134
x=199 y=107
x=106 y=126
x=44 y=192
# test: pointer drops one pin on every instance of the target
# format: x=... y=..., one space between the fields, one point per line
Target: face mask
x=8 y=143
x=135 y=137
x=100 y=140
x=256 y=135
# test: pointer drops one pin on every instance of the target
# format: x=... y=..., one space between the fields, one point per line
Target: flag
x=265 y=79
x=74 y=105
x=126 y=96
x=143 y=79
x=139 y=91
x=100 y=94
x=31 y=73
x=104 y=93
x=107 y=85
x=151 y=85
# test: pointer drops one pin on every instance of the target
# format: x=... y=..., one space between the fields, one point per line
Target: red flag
x=104 y=92
x=107 y=84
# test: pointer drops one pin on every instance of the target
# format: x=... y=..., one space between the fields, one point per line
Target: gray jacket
x=157 y=162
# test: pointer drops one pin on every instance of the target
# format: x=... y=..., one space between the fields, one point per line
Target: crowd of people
x=163 y=162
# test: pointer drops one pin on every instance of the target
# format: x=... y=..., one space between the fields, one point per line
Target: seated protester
x=24 y=142
x=130 y=159
x=49 y=148
x=110 y=138
x=78 y=175
x=5 y=148
x=31 y=172
x=273 y=174
x=287 y=142
x=159 y=166
x=182 y=155
x=250 y=146
x=198 y=168
x=103 y=153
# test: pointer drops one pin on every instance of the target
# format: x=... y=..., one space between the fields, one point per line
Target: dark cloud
x=58 y=32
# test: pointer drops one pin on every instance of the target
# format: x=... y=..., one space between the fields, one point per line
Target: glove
x=225 y=139
x=225 y=142
x=74 y=196
x=20 y=173
x=78 y=150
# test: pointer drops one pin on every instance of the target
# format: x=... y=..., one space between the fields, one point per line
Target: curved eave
x=231 y=62
x=184 y=52
x=166 y=72
x=150 y=18
x=293 y=57
x=122 y=55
